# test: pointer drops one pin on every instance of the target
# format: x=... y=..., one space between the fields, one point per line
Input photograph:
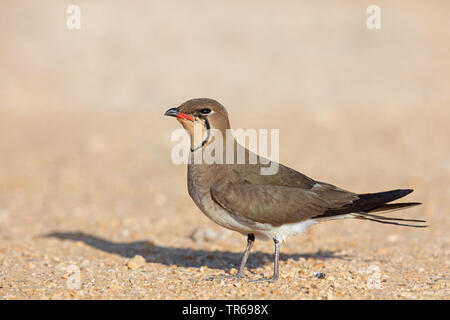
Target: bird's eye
x=205 y=111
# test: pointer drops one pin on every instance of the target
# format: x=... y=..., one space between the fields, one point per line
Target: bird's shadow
x=185 y=257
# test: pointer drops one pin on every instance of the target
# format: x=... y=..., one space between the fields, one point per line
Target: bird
x=275 y=206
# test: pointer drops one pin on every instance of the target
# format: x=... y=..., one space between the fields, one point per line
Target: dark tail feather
x=372 y=201
x=389 y=220
x=394 y=206
x=394 y=223
x=369 y=203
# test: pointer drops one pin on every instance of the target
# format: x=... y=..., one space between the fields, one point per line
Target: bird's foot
x=237 y=276
x=274 y=278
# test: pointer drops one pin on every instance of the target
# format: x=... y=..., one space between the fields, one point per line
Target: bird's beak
x=173 y=112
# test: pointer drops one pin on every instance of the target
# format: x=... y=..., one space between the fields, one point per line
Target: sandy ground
x=92 y=207
x=83 y=194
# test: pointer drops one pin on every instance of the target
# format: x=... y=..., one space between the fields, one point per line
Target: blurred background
x=84 y=145
x=247 y=54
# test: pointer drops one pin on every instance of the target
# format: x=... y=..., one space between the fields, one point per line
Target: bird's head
x=198 y=116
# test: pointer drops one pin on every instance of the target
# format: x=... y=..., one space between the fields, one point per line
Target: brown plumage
x=238 y=197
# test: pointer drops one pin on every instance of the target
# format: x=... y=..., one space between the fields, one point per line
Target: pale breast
x=199 y=182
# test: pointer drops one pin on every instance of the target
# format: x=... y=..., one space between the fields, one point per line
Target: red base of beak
x=184 y=116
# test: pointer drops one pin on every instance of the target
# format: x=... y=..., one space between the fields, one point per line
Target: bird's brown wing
x=276 y=199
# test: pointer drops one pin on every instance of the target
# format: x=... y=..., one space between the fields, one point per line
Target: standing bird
x=238 y=197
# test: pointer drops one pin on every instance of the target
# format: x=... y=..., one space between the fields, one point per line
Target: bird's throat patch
x=199 y=131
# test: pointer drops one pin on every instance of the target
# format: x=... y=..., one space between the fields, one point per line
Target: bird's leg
x=240 y=273
x=250 y=241
x=275 y=264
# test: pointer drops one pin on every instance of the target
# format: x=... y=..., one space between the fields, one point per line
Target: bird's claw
x=226 y=277
x=272 y=279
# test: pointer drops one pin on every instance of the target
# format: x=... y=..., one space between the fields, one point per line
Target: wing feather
x=276 y=204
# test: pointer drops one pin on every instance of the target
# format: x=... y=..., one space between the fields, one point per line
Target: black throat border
x=208 y=134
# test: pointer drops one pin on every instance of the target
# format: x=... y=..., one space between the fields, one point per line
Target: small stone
x=319 y=275
x=125 y=233
x=407 y=295
x=392 y=238
x=136 y=262
x=381 y=251
x=85 y=263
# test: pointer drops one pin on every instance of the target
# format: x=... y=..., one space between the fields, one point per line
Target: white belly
x=262 y=231
x=289 y=229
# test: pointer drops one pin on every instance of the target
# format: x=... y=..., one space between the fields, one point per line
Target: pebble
x=381 y=251
x=392 y=238
x=319 y=275
x=136 y=262
x=85 y=263
x=125 y=233
x=407 y=295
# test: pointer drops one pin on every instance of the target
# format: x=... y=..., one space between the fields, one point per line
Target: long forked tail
x=367 y=215
x=370 y=203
